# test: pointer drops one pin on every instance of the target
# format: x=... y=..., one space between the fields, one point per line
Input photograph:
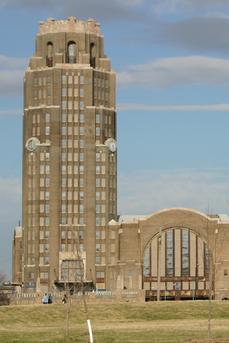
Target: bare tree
x=2 y=278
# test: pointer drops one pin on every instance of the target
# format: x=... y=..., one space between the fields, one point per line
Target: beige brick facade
x=69 y=156
x=70 y=187
x=178 y=251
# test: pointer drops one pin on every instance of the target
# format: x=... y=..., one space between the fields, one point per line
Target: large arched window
x=71 y=52
x=177 y=261
x=92 y=55
x=49 y=55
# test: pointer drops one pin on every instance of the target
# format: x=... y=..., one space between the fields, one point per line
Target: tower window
x=71 y=53
x=92 y=55
x=49 y=55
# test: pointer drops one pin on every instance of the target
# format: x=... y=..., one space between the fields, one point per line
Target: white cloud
x=177 y=71
x=12 y=63
x=220 y=15
x=188 y=5
x=144 y=192
x=11 y=75
x=35 y=3
x=130 y=2
x=10 y=112
x=11 y=82
x=199 y=33
x=175 y=108
x=10 y=213
x=101 y=9
x=10 y=190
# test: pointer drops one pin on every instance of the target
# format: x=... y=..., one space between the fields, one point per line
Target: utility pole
x=210 y=295
x=210 y=266
x=159 y=267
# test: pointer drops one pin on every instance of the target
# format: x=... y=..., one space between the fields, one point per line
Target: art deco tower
x=69 y=156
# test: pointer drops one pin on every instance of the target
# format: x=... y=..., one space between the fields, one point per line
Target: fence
x=91 y=297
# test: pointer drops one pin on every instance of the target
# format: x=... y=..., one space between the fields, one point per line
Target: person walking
x=49 y=299
x=64 y=300
x=45 y=299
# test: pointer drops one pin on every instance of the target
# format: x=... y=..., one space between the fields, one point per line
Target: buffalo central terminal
x=71 y=233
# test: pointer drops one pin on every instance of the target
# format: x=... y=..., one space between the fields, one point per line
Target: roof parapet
x=70 y=25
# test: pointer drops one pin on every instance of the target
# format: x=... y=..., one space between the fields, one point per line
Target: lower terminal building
x=175 y=253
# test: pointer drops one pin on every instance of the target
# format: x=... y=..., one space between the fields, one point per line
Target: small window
x=98 y=259
x=97 y=131
x=98 y=169
x=82 y=143
x=64 y=117
x=64 y=79
x=81 y=234
x=64 y=105
x=97 y=118
x=81 y=221
x=81 y=169
x=98 y=221
x=98 y=156
x=71 y=53
x=47 y=117
x=82 y=130
x=64 y=91
x=82 y=118
x=92 y=55
x=49 y=55
x=81 y=79
x=47 y=130
x=98 y=247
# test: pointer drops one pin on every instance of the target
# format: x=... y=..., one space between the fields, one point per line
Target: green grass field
x=164 y=322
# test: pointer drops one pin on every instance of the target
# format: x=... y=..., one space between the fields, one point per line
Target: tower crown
x=69 y=42
x=70 y=25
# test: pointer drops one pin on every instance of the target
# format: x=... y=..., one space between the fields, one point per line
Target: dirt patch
x=208 y=341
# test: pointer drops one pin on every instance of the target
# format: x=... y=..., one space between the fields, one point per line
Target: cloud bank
x=11 y=75
x=10 y=213
x=188 y=5
x=177 y=71
x=10 y=112
x=100 y=9
x=173 y=108
x=202 y=34
x=144 y=192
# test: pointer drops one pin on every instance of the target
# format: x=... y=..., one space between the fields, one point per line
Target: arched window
x=71 y=53
x=177 y=260
x=49 y=55
x=92 y=55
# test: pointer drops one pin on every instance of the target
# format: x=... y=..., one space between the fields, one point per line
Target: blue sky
x=171 y=58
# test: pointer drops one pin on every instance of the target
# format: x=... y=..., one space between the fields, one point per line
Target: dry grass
x=165 y=322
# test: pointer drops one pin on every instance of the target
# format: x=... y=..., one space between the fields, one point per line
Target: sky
x=171 y=59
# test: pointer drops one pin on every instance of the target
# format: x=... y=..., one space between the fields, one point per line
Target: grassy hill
x=164 y=322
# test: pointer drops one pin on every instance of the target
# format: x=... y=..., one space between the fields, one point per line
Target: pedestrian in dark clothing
x=64 y=300
x=50 y=299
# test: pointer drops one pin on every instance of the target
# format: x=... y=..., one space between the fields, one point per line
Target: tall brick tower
x=69 y=156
